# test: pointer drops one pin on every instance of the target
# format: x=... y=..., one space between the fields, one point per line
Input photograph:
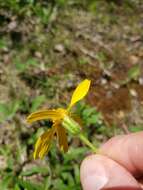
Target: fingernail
x=95 y=182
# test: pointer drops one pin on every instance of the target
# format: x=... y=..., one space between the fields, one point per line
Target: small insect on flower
x=61 y=121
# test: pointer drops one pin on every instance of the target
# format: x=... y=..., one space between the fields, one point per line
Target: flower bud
x=72 y=126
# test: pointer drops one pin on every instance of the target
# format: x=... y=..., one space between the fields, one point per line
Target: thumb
x=100 y=172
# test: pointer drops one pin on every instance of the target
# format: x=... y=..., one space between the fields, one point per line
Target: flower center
x=62 y=113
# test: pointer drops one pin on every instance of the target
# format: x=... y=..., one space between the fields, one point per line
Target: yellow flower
x=43 y=143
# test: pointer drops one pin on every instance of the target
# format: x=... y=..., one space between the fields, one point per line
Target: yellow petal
x=80 y=91
x=43 y=143
x=62 y=138
x=43 y=114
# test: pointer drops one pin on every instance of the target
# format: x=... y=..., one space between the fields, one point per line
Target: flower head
x=57 y=116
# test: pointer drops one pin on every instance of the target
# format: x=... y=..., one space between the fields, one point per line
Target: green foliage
x=83 y=61
x=43 y=13
x=26 y=184
x=8 y=110
x=135 y=128
x=2 y=44
x=36 y=103
x=35 y=170
x=134 y=72
x=89 y=115
x=61 y=2
x=6 y=181
x=13 y=5
x=23 y=66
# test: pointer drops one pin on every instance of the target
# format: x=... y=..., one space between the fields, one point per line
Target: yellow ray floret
x=80 y=92
x=43 y=144
x=44 y=114
x=62 y=138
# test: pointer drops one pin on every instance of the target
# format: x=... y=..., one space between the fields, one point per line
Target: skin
x=119 y=165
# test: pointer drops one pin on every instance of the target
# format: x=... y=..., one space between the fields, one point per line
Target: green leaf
x=77 y=173
x=3 y=108
x=16 y=187
x=80 y=107
x=19 y=64
x=88 y=111
x=134 y=72
x=2 y=43
x=22 y=66
x=27 y=184
x=32 y=61
x=47 y=183
x=94 y=119
x=35 y=170
x=88 y=114
x=4 y=112
x=83 y=61
x=6 y=181
x=61 y=2
x=59 y=183
x=74 y=153
x=136 y=128
x=68 y=178
x=8 y=110
x=13 y=107
x=36 y=103
x=43 y=13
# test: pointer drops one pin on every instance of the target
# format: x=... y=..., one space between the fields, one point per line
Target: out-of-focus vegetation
x=46 y=49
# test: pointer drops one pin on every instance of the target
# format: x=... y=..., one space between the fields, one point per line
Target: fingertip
x=98 y=172
x=93 y=175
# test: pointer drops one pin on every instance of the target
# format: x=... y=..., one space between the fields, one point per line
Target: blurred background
x=46 y=49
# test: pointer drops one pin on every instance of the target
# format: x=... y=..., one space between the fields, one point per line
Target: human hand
x=119 y=165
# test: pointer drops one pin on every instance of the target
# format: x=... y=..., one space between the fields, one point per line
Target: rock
x=133 y=92
x=141 y=80
x=133 y=59
x=38 y=54
x=12 y=25
x=59 y=48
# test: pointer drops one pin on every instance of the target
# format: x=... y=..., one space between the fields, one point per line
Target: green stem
x=88 y=143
